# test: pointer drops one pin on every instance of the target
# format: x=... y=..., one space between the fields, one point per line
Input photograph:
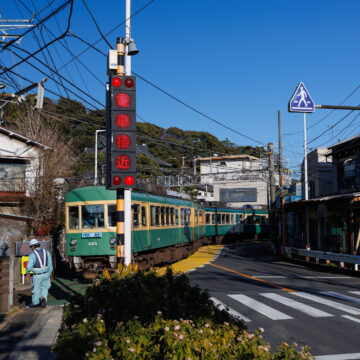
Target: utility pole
x=182 y=174
x=96 y=155
x=281 y=183
x=271 y=173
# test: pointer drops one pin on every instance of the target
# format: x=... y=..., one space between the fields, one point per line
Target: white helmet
x=34 y=242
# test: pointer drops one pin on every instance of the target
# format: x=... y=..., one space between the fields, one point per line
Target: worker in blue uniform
x=40 y=264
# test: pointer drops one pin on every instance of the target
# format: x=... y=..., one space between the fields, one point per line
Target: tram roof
x=96 y=193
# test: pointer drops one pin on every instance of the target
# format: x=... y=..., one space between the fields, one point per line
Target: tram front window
x=73 y=217
x=111 y=215
x=92 y=216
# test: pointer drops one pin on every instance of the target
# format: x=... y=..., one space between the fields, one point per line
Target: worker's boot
x=43 y=302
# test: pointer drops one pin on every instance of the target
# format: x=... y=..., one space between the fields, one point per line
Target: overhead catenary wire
x=57 y=10
x=177 y=99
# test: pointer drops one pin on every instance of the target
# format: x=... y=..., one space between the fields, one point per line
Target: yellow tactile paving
x=199 y=258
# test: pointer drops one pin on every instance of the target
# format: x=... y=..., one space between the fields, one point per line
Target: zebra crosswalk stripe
x=334 y=304
x=260 y=307
x=233 y=312
x=341 y=296
x=309 y=310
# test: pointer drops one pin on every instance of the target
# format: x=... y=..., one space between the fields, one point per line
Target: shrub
x=132 y=315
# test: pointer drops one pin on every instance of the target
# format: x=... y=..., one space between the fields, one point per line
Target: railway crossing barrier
x=327 y=256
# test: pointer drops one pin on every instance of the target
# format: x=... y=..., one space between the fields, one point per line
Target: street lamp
x=96 y=149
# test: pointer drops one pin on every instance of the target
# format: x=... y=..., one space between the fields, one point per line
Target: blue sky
x=237 y=61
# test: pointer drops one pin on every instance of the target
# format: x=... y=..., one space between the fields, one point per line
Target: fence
x=6 y=283
x=337 y=257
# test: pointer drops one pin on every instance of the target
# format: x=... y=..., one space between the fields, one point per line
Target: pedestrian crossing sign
x=301 y=100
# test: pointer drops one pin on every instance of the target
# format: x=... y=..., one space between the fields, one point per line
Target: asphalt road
x=292 y=302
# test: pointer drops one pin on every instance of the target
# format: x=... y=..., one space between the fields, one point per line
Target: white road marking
x=355 y=292
x=340 y=296
x=351 y=318
x=339 y=357
x=260 y=307
x=233 y=312
x=324 y=301
x=309 y=310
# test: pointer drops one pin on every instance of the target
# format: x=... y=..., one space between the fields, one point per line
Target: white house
x=237 y=180
x=20 y=159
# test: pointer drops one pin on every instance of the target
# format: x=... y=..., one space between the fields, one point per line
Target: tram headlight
x=73 y=242
x=112 y=241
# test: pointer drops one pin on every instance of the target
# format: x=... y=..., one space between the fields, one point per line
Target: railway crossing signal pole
x=120 y=229
x=127 y=194
x=121 y=136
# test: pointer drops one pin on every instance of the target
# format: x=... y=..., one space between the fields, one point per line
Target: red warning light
x=129 y=83
x=116 y=180
x=123 y=141
x=25 y=264
x=123 y=121
x=123 y=100
x=129 y=180
x=116 y=82
x=123 y=162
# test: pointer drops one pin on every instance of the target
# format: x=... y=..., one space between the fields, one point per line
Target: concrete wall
x=261 y=192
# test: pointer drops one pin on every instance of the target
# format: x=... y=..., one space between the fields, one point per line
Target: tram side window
x=163 y=215
x=92 y=216
x=213 y=219
x=153 y=215
x=172 y=216
x=208 y=218
x=157 y=218
x=143 y=216
x=73 y=217
x=232 y=218
x=167 y=216
x=176 y=216
x=223 y=219
x=182 y=216
x=188 y=217
x=228 y=219
x=136 y=210
x=218 y=218
x=111 y=215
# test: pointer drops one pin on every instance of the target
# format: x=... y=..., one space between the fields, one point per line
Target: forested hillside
x=74 y=126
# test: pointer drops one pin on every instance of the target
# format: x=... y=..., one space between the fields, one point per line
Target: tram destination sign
x=91 y=235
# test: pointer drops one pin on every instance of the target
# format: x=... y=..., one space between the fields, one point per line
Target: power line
x=46 y=45
x=329 y=113
x=58 y=9
x=195 y=110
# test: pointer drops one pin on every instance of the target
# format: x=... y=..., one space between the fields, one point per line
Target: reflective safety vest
x=41 y=262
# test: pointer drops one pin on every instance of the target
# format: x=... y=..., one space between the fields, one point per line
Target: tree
x=42 y=204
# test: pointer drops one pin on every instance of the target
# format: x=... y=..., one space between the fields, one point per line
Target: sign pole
x=306 y=195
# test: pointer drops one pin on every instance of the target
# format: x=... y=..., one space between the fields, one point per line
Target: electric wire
x=57 y=10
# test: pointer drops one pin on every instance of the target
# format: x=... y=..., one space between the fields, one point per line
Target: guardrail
x=341 y=258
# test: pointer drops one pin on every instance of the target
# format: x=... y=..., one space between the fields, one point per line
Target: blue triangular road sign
x=301 y=100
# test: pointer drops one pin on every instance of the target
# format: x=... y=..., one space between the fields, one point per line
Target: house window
x=12 y=175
